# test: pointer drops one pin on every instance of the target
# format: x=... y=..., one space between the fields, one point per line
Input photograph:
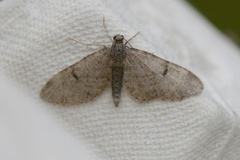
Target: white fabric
x=28 y=132
x=34 y=45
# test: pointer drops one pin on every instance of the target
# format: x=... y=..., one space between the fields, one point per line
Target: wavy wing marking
x=147 y=77
x=80 y=82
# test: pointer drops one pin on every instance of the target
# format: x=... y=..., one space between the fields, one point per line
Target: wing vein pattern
x=147 y=77
x=82 y=81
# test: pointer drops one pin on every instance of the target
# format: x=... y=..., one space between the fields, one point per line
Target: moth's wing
x=147 y=77
x=80 y=82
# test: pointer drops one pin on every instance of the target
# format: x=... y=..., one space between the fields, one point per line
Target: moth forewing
x=81 y=82
x=148 y=77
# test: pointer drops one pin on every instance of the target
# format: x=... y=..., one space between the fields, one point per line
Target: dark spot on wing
x=74 y=75
x=166 y=69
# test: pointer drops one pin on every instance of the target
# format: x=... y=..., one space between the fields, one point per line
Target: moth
x=144 y=75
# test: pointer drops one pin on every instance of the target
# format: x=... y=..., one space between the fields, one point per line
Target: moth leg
x=87 y=44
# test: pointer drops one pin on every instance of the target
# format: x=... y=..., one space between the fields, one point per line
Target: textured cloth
x=35 y=45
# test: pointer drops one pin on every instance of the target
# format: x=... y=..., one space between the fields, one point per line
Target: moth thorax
x=118 y=52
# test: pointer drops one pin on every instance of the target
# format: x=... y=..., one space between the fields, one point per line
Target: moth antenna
x=127 y=41
x=105 y=27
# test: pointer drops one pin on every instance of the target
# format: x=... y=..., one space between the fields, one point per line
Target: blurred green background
x=225 y=15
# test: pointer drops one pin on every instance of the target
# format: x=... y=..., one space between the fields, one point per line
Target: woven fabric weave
x=35 y=45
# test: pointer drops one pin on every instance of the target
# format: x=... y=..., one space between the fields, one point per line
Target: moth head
x=118 y=38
